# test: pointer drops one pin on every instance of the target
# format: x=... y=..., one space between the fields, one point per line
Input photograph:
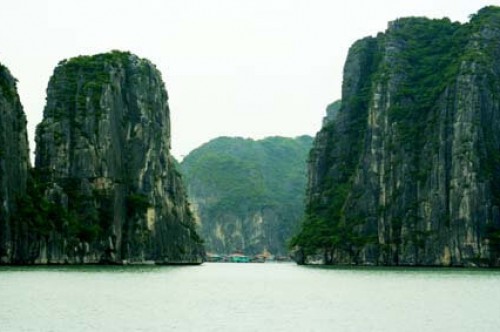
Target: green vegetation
x=428 y=64
x=236 y=178
x=7 y=84
x=244 y=173
x=137 y=204
x=79 y=83
x=43 y=216
x=88 y=61
x=84 y=218
x=36 y=212
x=488 y=15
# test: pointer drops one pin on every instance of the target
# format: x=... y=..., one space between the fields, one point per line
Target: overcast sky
x=251 y=68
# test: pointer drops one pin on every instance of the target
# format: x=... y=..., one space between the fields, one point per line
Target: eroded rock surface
x=408 y=171
x=103 y=156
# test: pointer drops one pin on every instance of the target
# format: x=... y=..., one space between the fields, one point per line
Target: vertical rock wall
x=14 y=161
x=408 y=171
x=103 y=155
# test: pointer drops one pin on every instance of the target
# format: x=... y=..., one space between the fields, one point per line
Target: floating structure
x=239 y=258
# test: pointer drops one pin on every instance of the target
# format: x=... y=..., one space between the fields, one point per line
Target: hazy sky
x=251 y=68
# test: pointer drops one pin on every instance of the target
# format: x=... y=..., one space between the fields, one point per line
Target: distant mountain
x=248 y=195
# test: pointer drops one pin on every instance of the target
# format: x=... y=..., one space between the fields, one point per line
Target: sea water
x=247 y=297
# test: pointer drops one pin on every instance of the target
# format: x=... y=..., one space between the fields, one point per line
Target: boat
x=238 y=258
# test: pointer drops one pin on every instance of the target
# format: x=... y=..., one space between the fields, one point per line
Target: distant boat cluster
x=239 y=257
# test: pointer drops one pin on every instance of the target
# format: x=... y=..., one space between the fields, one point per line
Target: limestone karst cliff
x=14 y=161
x=102 y=158
x=408 y=171
x=248 y=195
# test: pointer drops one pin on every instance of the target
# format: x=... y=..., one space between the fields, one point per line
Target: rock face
x=331 y=112
x=102 y=156
x=408 y=171
x=14 y=161
x=248 y=195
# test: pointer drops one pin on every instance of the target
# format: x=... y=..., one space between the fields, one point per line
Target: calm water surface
x=247 y=297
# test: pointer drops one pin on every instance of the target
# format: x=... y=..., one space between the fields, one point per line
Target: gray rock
x=407 y=173
x=103 y=155
x=14 y=161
